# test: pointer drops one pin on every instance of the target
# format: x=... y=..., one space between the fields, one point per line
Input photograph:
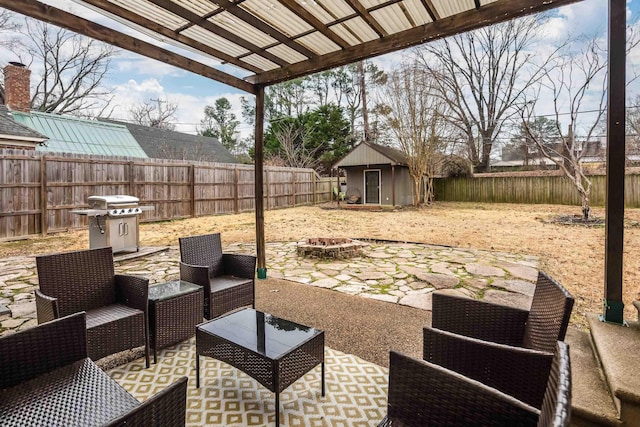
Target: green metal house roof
x=72 y=135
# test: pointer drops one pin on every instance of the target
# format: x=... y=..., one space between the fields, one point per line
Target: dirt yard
x=574 y=255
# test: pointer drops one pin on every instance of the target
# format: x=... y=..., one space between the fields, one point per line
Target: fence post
x=293 y=188
x=236 y=195
x=268 y=184
x=132 y=183
x=192 y=181
x=43 y=195
x=313 y=184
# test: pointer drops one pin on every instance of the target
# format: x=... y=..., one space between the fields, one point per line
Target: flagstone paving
x=401 y=273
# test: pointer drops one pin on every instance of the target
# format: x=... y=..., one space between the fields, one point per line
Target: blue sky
x=134 y=78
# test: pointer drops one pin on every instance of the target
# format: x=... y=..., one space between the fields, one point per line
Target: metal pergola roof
x=270 y=41
x=257 y=43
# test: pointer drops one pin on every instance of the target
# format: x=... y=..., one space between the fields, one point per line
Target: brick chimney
x=17 y=90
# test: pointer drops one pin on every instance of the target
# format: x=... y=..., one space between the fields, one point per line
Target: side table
x=175 y=308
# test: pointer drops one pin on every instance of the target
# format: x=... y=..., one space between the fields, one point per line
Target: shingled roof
x=367 y=153
x=10 y=128
x=168 y=144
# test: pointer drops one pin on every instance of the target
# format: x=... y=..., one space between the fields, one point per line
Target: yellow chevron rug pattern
x=356 y=391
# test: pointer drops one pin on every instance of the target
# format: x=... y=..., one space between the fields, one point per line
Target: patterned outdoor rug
x=356 y=391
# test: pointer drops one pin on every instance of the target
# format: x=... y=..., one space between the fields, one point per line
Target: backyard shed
x=378 y=173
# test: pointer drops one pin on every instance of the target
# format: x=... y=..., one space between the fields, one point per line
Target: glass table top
x=262 y=333
x=171 y=289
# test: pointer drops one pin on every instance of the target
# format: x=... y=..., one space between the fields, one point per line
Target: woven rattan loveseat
x=425 y=394
x=46 y=379
x=506 y=348
x=116 y=305
x=228 y=279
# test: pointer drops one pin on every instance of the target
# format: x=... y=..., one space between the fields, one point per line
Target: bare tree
x=293 y=139
x=574 y=77
x=416 y=116
x=72 y=69
x=155 y=113
x=481 y=75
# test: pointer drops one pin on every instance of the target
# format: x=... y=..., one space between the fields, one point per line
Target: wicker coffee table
x=273 y=351
x=175 y=308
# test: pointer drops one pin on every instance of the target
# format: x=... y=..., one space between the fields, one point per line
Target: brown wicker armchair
x=228 y=279
x=116 y=305
x=506 y=348
x=46 y=379
x=424 y=394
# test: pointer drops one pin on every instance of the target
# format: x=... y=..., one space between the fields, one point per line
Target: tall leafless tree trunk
x=293 y=138
x=574 y=77
x=416 y=117
x=72 y=69
x=481 y=75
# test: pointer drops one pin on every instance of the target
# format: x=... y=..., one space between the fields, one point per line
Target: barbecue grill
x=113 y=221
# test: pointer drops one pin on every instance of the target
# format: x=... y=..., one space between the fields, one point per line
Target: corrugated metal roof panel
x=316 y=10
x=417 y=11
x=152 y=12
x=338 y=8
x=318 y=43
x=287 y=53
x=243 y=30
x=279 y=16
x=220 y=43
x=360 y=29
x=447 y=8
x=259 y=62
x=392 y=18
x=199 y=7
x=72 y=135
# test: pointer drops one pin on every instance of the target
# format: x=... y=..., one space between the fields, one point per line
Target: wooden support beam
x=60 y=18
x=259 y=183
x=310 y=19
x=490 y=14
x=431 y=10
x=477 y=3
x=370 y=20
x=614 y=218
x=250 y=19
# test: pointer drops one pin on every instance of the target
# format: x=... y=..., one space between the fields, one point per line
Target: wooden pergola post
x=259 y=183
x=614 y=226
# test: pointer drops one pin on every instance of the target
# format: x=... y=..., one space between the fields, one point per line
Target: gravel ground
x=352 y=324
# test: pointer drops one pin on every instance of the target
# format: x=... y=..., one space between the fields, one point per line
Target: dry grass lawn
x=574 y=255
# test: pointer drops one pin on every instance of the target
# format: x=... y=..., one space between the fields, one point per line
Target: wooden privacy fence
x=38 y=190
x=530 y=189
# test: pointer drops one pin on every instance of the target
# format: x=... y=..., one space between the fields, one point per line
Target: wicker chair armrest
x=479 y=319
x=516 y=371
x=46 y=307
x=166 y=408
x=421 y=393
x=41 y=349
x=238 y=265
x=133 y=291
x=198 y=274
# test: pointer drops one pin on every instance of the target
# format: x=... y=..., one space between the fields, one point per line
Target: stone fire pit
x=322 y=247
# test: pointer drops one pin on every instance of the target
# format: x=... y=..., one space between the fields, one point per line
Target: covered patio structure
x=258 y=44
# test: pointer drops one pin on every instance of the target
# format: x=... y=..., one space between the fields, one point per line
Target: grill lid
x=106 y=202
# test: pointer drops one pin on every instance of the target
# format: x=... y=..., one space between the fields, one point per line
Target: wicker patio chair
x=506 y=348
x=46 y=379
x=116 y=305
x=425 y=394
x=227 y=279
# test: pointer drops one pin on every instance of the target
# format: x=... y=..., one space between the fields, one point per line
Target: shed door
x=372 y=186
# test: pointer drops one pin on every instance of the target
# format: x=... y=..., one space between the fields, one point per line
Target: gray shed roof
x=11 y=128
x=167 y=144
x=367 y=153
